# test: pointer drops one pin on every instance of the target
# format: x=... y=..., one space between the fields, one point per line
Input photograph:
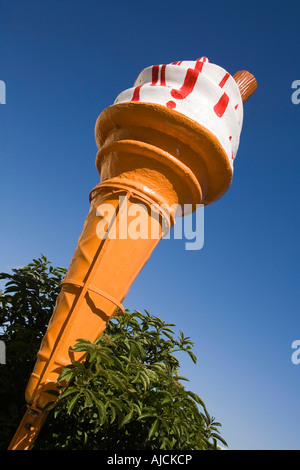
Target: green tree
x=126 y=394
x=26 y=305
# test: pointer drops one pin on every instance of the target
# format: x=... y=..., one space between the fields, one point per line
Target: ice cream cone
x=153 y=158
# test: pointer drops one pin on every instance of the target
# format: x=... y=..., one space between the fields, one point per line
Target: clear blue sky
x=237 y=297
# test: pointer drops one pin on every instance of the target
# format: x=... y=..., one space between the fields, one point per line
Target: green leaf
x=116 y=381
x=169 y=336
x=73 y=402
x=219 y=438
x=153 y=428
x=69 y=391
x=113 y=414
x=147 y=415
x=193 y=357
x=101 y=411
x=168 y=329
x=127 y=418
x=196 y=398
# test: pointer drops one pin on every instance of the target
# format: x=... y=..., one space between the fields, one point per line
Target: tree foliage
x=26 y=305
x=126 y=394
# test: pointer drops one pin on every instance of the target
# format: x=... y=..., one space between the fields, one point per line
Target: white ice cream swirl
x=198 y=89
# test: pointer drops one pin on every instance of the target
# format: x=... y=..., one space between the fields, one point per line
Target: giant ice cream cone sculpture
x=169 y=141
